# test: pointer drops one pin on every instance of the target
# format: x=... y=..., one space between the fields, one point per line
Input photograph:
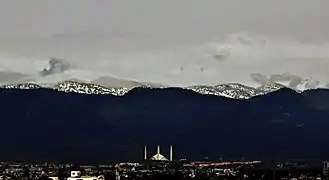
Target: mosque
x=158 y=156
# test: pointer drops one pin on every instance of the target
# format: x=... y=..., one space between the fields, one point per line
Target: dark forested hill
x=47 y=124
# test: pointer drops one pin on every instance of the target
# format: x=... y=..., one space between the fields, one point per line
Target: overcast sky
x=142 y=37
x=303 y=18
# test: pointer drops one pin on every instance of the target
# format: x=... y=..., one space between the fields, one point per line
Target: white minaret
x=158 y=150
x=170 y=156
x=117 y=174
x=145 y=153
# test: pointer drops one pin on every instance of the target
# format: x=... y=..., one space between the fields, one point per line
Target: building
x=76 y=175
x=325 y=168
x=158 y=156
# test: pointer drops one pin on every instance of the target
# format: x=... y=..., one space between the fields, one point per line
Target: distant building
x=158 y=156
x=325 y=168
x=76 y=175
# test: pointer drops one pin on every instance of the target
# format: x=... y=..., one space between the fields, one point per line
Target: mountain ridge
x=231 y=90
x=56 y=125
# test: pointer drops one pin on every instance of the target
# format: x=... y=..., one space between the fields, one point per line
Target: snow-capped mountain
x=232 y=90
x=235 y=90
x=86 y=88
x=22 y=86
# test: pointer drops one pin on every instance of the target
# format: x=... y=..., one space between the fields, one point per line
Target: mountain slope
x=48 y=124
x=121 y=87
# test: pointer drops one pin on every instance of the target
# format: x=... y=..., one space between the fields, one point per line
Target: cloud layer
x=171 y=42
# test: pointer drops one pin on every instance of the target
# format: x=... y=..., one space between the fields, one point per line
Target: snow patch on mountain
x=232 y=90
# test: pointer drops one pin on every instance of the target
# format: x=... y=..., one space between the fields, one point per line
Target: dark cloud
x=311 y=83
x=293 y=80
x=10 y=77
x=55 y=66
x=260 y=78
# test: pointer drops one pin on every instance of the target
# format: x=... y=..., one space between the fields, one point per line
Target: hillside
x=48 y=124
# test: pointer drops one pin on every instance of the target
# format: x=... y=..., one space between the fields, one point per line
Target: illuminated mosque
x=158 y=156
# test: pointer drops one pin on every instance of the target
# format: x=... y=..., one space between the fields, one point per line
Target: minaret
x=145 y=153
x=170 y=156
x=117 y=174
x=158 y=150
